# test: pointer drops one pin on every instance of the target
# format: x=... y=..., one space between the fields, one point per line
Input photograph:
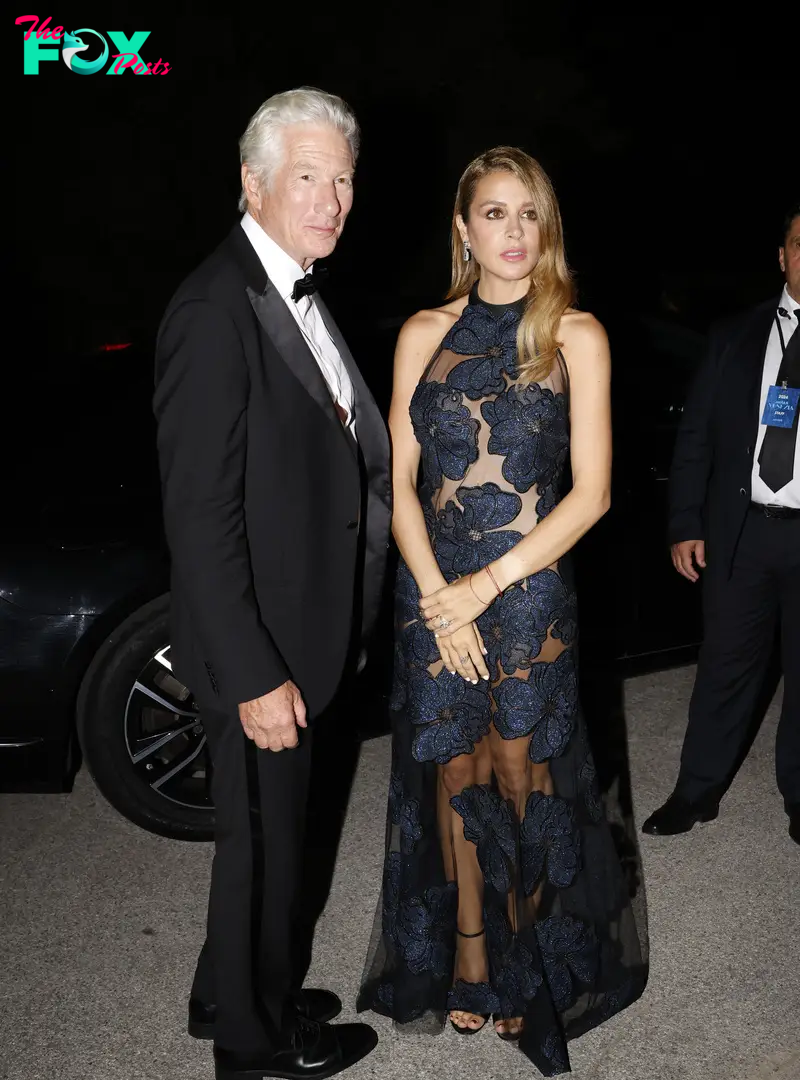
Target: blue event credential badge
x=781 y=407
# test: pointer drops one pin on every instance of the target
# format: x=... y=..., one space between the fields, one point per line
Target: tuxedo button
x=352 y=524
x=742 y=491
x=749 y=450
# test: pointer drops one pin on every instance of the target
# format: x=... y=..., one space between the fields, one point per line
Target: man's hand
x=682 y=557
x=272 y=721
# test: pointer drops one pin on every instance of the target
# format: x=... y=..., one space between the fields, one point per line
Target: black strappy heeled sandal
x=466 y=987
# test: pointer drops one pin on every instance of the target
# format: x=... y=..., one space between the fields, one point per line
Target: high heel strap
x=480 y=933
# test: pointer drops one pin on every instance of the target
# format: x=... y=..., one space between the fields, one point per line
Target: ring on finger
x=464 y=659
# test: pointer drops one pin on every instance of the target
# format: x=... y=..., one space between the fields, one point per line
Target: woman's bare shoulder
x=425 y=329
x=581 y=331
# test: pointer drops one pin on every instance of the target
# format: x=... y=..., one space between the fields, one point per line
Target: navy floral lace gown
x=495 y=821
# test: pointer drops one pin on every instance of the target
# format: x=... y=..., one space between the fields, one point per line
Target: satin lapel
x=373 y=440
x=372 y=434
x=284 y=333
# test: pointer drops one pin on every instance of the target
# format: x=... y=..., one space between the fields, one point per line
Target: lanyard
x=784 y=382
x=780 y=335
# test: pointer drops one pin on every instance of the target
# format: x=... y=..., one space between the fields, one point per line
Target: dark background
x=665 y=137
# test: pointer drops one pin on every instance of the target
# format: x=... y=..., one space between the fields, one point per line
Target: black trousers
x=246 y=967
x=741 y=616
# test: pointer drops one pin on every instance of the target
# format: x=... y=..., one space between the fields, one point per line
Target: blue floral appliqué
x=516 y=980
x=547 y=501
x=548 y=840
x=510 y=633
x=455 y=715
x=418 y=643
x=543 y=706
x=554 y=605
x=490 y=343
x=420 y=928
x=404 y=813
x=424 y=931
x=406 y=594
x=445 y=430
x=529 y=430
x=488 y=825
x=469 y=538
x=569 y=954
x=517 y=974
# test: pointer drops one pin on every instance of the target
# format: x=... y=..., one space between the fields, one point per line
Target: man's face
x=310 y=195
x=789 y=258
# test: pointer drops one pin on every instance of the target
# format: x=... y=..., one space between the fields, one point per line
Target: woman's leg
x=461 y=866
x=517 y=776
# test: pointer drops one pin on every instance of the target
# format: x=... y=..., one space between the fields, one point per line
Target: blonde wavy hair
x=552 y=289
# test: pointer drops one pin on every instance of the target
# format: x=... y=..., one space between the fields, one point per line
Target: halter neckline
x=517 y=306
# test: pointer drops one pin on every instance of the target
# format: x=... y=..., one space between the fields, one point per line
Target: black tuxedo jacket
x=275 y=518
x=710 y=481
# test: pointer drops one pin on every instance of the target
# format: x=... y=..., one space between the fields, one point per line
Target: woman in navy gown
x=503 y=901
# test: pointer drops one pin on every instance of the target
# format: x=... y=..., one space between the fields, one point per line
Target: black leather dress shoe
x=678 y=815
x=794 y=822
x=314 y=1052
x=319 y=1005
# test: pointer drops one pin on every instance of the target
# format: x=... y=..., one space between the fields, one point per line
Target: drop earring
x=467 y=251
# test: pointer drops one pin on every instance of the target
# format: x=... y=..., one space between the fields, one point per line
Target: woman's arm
x=589 y=364
x=419 y=337
x=415 y=345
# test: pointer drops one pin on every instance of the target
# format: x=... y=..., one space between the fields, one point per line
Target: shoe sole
x=221 y=1073
x=199 y=1030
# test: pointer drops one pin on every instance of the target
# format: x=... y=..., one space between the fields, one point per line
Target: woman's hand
x=451 y=608
x=463 y=653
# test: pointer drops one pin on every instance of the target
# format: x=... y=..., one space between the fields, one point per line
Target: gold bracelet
x=483 y=602
x=488 y=570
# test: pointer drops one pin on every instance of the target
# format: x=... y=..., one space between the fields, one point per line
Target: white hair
x=261 y=146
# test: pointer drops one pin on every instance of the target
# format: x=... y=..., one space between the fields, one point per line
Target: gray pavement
x=101 y=924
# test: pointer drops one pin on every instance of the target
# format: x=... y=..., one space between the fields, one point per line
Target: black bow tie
x=307 y=285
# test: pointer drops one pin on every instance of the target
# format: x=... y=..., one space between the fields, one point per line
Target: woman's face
x=502 y=230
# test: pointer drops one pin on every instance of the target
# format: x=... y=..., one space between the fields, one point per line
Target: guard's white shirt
x=789 y=494
x=283 y=272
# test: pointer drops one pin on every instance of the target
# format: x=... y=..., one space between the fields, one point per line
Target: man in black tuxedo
x=276 y=490
x=735 y=511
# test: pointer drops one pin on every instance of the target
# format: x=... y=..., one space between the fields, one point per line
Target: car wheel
x=140 y=734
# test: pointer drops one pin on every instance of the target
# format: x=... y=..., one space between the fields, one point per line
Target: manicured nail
x=474 y=682
x=486 y=676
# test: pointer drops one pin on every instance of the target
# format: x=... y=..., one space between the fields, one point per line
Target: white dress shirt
x=283 y=272
x=789 y=494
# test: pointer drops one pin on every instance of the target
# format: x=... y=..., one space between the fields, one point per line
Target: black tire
x=102 y=711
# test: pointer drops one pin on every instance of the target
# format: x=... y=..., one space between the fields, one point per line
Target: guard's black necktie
x=776 y=460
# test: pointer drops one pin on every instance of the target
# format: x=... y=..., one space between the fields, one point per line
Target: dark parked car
x=84 y=642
